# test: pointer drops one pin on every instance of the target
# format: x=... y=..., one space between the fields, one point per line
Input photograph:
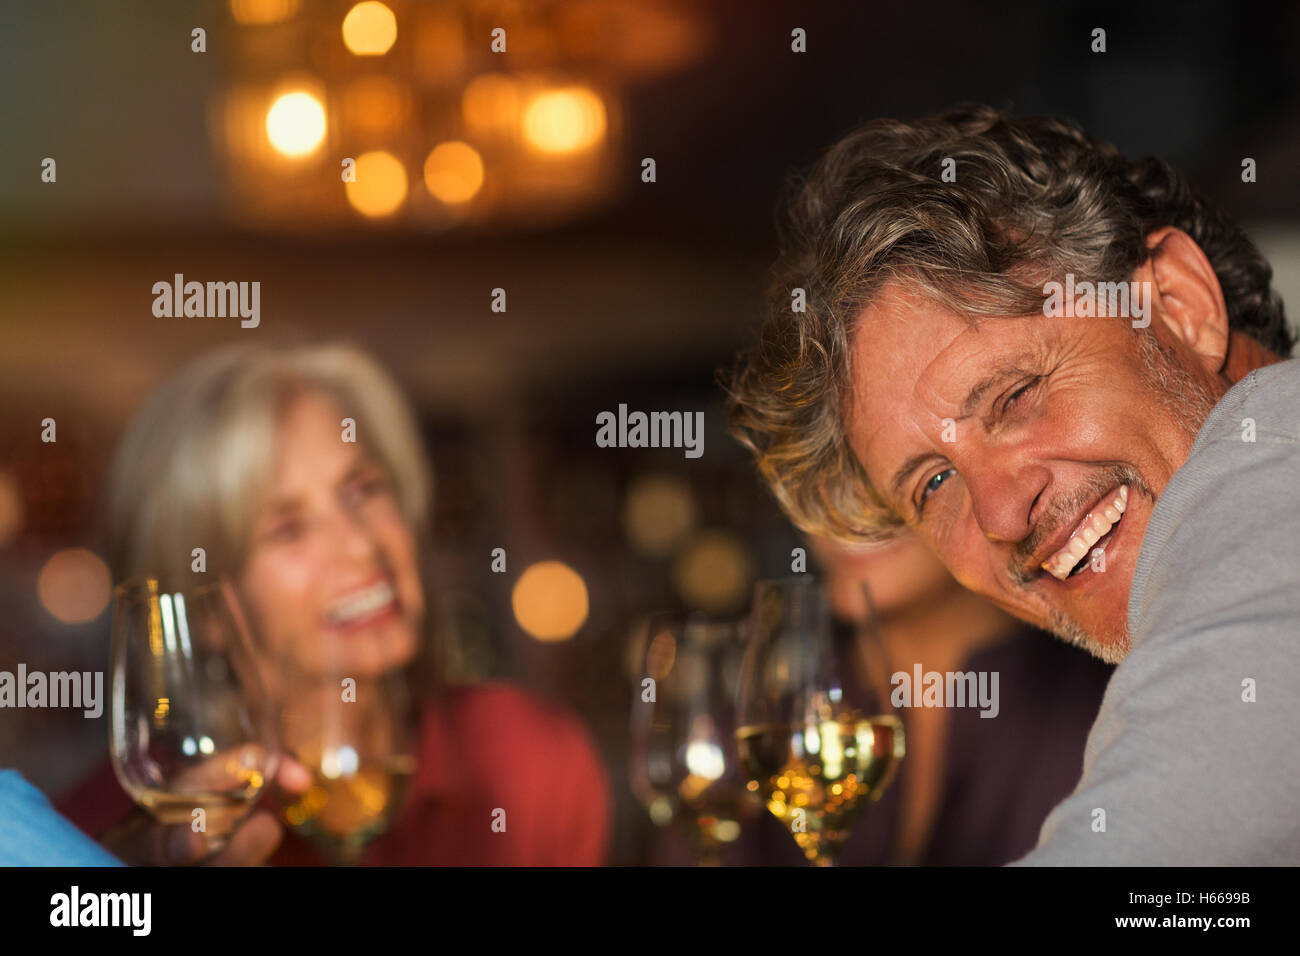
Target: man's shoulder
x=1265 y=401
x=1283 y=377
x=1228 y=521
x=1214 y=619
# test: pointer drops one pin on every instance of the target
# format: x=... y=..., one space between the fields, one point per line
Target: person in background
x=243 y=452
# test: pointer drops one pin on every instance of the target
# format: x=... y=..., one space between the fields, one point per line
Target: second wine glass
x=354 y=736
x=684 y=764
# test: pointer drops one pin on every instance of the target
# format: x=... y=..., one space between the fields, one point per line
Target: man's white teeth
x=1095 y=526
x=361 y=603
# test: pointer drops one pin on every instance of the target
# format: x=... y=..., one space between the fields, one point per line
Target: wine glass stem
x=213 y=844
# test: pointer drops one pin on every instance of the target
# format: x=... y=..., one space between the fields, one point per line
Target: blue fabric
x=33 y=834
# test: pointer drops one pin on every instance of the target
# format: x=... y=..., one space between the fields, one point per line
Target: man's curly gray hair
x=1034 y=198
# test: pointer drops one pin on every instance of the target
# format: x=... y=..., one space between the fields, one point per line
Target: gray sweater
x=1194 y=756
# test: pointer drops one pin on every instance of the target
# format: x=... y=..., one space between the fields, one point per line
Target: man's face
x=997 y=441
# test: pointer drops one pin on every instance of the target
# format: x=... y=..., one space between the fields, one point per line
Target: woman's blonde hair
x=198 y=458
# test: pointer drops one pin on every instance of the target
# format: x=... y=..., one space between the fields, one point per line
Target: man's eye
x=1016 y=395
x=935 y=481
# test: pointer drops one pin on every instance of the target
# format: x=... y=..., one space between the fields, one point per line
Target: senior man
x=1122 y=470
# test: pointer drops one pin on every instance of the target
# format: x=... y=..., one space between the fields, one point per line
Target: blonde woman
x=243 y=454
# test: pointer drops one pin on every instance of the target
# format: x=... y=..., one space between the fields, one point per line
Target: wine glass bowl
x=684 y=766
x=354 y=737
x=816 y=735
x=192 y=727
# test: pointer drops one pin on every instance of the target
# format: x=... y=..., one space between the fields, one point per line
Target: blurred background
x=519 y=170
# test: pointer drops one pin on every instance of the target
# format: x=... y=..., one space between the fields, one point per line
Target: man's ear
x=1186 y=295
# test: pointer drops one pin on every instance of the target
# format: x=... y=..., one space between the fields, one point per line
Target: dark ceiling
x=660 y=280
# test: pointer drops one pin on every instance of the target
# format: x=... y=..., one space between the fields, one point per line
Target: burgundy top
x=481 y=748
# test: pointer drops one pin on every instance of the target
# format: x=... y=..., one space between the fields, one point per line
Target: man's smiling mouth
x=1094 y=529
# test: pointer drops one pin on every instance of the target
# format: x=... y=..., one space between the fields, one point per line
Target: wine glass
x=817 y=734
x=684 y=765
x=354 y=736
x=192 y=728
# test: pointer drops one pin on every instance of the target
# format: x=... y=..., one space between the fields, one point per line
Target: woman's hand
x=143 y=841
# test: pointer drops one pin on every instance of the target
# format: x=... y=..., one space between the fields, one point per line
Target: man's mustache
x=1026 y=557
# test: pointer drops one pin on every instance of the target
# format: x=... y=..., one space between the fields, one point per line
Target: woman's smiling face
x=331 y=577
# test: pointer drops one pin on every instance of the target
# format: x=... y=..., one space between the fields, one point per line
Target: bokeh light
x=565 y=120
x=260 y=12
x=660 y=655
x=490 y=102
x=550 y=601
x=380 y=186
x=370 y=29
x=453 y=172
x=713 y=573
x=295 y=123
x=659 y=514
x=74 y=585
x=11 y=508
x=376 y=104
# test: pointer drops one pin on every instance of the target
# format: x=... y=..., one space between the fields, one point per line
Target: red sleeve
x=586 y=834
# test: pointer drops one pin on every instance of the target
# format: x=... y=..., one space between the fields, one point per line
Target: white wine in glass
x=817 y=735
x=357 y=746
x=192 y=726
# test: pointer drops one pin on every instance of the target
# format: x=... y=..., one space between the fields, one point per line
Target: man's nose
x=1003 y=495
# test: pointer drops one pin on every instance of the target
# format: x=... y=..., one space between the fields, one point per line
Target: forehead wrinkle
x=882 y=414
x=945 y=389
x=950 y=387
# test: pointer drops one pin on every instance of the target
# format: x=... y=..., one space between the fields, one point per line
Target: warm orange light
x=661 y=654
x=713 y=572
x=370 y=29
x=564 y=120
x=490 y=101
x=376 y=104
x=295 y=123
x=659 y=513
x=439 y=46
x=381 y=184
x=11 y=508
x=453 y=172
x=257 y=12
x=550 y=601
x=74 y=585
